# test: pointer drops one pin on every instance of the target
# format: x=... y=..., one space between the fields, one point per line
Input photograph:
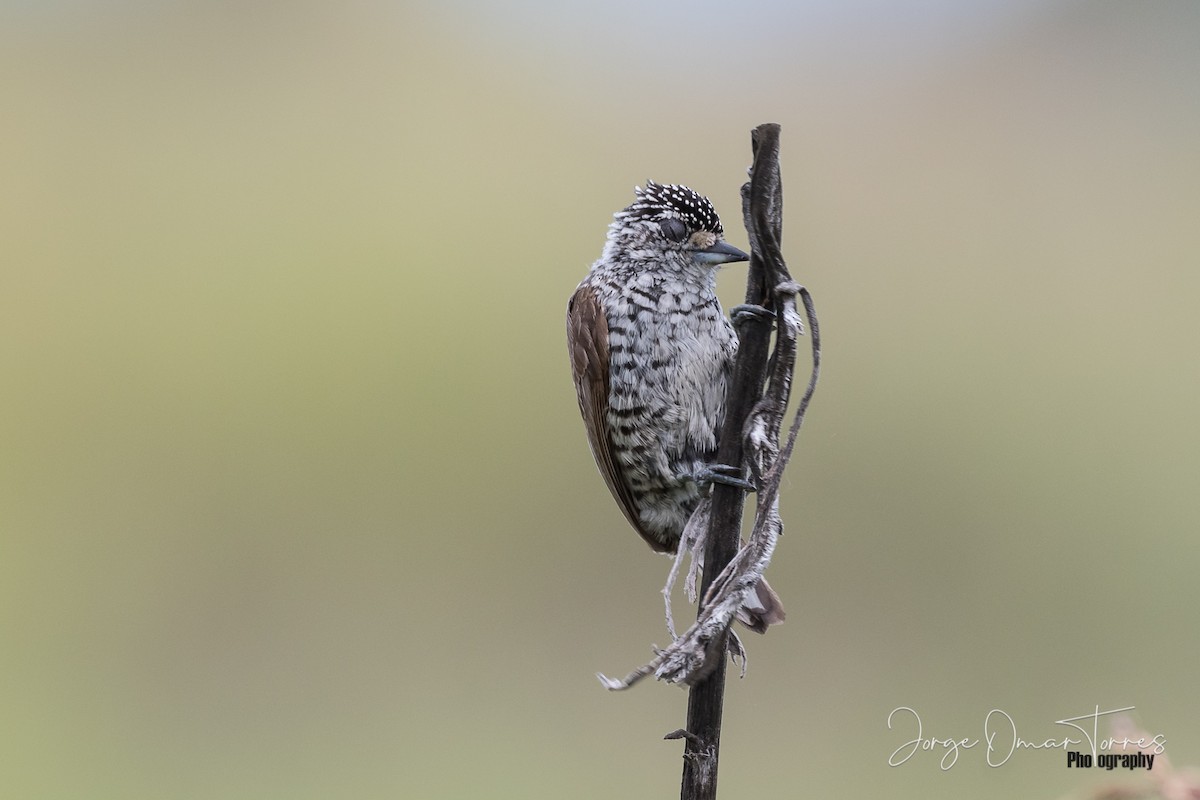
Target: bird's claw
x=725 y=475
x=748 y=312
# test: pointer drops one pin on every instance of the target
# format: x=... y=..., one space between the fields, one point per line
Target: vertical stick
x=761 y=199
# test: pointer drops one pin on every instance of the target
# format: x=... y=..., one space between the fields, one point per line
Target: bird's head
x=670 y=224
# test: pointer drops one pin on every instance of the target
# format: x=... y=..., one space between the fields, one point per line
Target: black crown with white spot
x=659 y=201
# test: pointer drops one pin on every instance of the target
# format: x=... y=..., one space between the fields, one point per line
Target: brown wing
x=587 y=339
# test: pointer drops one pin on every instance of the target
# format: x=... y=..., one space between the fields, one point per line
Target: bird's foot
x=748 y=312
x=725 y=475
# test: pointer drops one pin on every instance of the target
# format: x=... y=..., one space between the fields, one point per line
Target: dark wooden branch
x=762 y=207
x=756 y=404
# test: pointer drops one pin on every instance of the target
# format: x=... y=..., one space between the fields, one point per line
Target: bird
x=651 y=354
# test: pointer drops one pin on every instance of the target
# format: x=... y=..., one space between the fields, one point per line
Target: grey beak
x=719 y=253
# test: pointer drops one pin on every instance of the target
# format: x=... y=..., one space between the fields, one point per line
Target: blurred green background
x=295 y=499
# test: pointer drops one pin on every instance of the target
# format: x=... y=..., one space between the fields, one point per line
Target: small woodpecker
x=652 y=352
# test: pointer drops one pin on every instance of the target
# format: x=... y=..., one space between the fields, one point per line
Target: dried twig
x=770 y=285
x=754 y=419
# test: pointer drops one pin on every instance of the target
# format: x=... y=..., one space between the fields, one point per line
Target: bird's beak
x=719 y=253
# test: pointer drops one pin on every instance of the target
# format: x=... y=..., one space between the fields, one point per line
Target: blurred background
x=295 y=500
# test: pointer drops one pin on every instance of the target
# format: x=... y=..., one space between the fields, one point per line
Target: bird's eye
x=674 y=230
